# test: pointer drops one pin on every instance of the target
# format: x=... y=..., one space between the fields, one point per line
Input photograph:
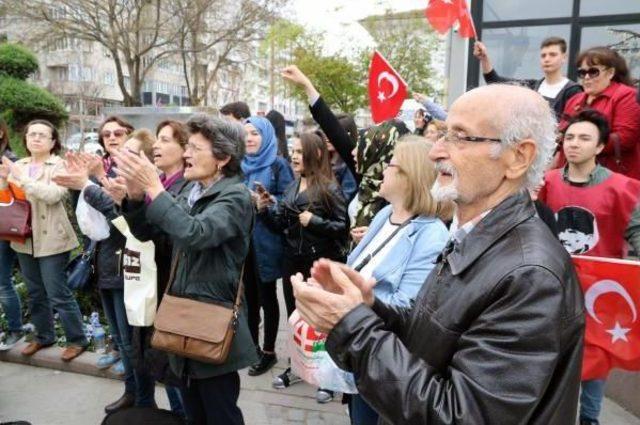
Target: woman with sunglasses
x=604 y=76
x=312 y=216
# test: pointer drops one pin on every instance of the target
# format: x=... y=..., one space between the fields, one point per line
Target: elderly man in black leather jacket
x=495 y=335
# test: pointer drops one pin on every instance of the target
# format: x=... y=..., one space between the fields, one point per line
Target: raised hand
x=138 y=172
x=323 y=309
x=116 y=188
x=293 y=74
x=321 y=273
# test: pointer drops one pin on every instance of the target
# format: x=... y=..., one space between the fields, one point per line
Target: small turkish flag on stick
x=612 y=299
x=387 y=90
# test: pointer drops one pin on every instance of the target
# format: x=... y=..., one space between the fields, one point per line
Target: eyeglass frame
x=105 y=134
x=36 y=135
x=473 y=139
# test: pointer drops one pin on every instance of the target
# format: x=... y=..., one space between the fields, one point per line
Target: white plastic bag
x=92 y=223
x=140 y=277
x=310 y=360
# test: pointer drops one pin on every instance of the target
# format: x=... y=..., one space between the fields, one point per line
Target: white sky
x=339 y=18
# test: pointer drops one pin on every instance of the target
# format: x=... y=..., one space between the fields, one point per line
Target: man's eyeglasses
x=118 y=133
x=592 y=72
x=456 y=138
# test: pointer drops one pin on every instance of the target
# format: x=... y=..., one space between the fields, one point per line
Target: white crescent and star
x=605 y=287
x=395 y=85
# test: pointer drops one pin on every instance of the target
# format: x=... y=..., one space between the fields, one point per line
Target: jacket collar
x=503 y=218
x=219 y=186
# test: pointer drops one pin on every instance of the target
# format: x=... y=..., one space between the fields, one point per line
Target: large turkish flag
x=612 y=297
x=387 y=89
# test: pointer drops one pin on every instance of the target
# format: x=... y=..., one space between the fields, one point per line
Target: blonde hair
x=146 y=139
x=412 y=156
x=439 y=125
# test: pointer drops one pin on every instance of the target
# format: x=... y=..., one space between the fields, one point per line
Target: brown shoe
x=33 y=347
x=71 y=352
x=127 y=400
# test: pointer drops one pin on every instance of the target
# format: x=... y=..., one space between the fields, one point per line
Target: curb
x=49 y=358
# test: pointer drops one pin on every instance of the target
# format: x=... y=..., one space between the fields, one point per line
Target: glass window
x=508 y=10
x=608 y=7
x=624 y=38
x=515 y=52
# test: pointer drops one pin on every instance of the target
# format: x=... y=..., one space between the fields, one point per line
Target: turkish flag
x=387 y=89
x=443 y=14
x=612 y=297
x=467 y=28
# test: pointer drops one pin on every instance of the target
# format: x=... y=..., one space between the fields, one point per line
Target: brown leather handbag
x=197 y=330
x=15 y=225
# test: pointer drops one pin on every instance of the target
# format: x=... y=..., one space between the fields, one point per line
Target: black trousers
x=261 y=294
x=213 y=401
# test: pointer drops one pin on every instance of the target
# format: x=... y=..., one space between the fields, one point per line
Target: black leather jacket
x=326 y=233
x=495 y=335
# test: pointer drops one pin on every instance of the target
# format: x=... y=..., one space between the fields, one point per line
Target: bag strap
x=240 y=291
x=369 y=257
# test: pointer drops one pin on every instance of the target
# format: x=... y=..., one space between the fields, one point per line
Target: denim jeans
x=139 y=384
x=361 y=413
x=9 y=300
x=48 y=290
x=591 y=398
x=175 y=400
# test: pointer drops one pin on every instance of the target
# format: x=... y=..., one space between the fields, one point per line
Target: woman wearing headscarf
x=264 y=172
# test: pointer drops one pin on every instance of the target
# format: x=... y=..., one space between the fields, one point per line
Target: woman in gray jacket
x=210 y=227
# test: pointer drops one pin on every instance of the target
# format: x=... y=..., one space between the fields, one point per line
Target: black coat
x=147 y=359
x=495 y=335
x=327 y=231
x=108 y=257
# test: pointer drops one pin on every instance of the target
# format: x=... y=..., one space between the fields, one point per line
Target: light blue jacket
x=405 y=268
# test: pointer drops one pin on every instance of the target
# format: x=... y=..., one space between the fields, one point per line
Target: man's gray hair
x=227 y=139
x=524 y=119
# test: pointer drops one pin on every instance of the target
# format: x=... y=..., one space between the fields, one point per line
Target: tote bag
x=140 y=277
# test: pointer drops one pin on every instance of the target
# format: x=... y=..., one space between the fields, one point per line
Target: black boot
x=127 y=400
x=266 y=362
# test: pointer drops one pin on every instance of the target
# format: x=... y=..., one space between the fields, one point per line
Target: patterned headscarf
x=375 y=149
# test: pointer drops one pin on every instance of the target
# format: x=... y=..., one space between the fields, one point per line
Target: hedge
x=23 y=102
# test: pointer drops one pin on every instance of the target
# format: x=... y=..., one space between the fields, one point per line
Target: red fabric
x=387 y=90
x=611 y=203
x=618 y=104
x=467 y=28
x=443 y=14
x=612 y=300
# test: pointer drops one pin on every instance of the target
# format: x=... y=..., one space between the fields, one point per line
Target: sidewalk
x=75 y=393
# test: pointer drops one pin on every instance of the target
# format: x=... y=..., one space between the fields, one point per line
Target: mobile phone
x=260 y=188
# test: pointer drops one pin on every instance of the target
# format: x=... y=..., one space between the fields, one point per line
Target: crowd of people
x=385 y=240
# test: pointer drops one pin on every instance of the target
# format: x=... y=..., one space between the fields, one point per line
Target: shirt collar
x=592 y=175
x=459 y=233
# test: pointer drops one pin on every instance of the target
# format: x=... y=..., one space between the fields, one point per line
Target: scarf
x=375 y=149
x=257 y=166
x=167 y=182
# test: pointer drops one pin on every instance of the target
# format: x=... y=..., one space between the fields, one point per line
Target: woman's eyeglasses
x=117 y=133
x=592 y=72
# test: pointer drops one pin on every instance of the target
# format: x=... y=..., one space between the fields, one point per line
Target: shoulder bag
x=15 y=225
x=195 y=329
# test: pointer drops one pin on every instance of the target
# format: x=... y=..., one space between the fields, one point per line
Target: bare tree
x=218 y=36
x=136 y=33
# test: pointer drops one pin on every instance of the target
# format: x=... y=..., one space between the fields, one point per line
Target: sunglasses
x=592 y=72
x=118 y=133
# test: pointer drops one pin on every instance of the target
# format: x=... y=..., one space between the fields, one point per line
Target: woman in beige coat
x=43 y=257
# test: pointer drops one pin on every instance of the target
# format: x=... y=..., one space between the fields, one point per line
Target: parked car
x=91 y=144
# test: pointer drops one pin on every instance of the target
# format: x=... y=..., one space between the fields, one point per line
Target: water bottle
x=99 y=336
